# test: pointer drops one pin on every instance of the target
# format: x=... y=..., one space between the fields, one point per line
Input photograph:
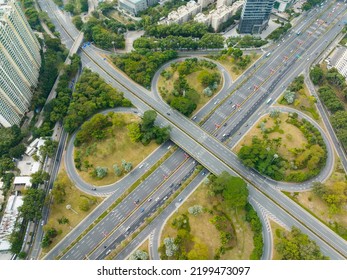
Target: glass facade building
x=255 y=16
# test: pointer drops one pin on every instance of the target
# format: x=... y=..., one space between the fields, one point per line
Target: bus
x=269 y=100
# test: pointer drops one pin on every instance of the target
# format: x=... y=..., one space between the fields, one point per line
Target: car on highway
x=93 y=189
x=157 y=199
x=108 y=251
x=42 y=222
x=149 y=199
x=142 y=210
x=180 y=200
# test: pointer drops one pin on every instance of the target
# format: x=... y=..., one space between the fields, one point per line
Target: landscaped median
x=124 y=194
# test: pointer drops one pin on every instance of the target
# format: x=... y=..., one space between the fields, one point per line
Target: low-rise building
x=183 y=13
x=202 y=18
x=135 y=6
x=219 y=16
x=8 y=221
x=282 y=5
x=338 y=60
x=21 y=182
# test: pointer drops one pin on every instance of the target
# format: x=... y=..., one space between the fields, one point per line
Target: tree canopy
x=142 y=65
x=32 y=204
x=233 y=189
x=298 y=246
x=91 y=94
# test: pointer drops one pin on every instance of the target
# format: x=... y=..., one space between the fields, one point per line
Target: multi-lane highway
x=217 y=157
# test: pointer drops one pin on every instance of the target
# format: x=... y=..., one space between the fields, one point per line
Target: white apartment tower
x=205 y=3
x=20 y=63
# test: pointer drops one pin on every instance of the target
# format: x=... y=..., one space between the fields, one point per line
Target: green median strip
x=148 y=220
x=119 y=200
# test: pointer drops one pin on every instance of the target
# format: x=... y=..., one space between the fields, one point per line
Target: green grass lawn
x=305 y=103
x=112 y=150
x=275 y=227
x=319 y=207
x=205 y=232
x=57 y=211
x=193 y=82
x=233 y=70
x=292 y=137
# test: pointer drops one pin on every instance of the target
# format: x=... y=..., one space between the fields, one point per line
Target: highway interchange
x=270 y=75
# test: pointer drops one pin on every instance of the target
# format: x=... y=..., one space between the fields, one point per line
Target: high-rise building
x=255 y=16
x=20 y=63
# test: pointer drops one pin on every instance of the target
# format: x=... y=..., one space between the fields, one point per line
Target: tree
x=237 y=53
x=128 y=166
x=77 y=21
x=48 y=149
x=199 y=252
x=84 y=204
x=170 y=246
x=117 y=170
x=316 y=75
x=297 y=246
x=31 y=209
x=95 y=128
x=22 y=255
x=139 y=255
x=17 y=151
x=331 y=101
x=183 y=105
x=289 y=96
x=195 y=210
x=39 y=177
x=91 y=94
x=236 y=193
x=59 y=188
x=148 y=120
x=142 y=65
x=46 y=241
x=134 y=132
x=101 y=172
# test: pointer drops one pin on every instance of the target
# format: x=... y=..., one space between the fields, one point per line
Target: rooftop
x=8 y=221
